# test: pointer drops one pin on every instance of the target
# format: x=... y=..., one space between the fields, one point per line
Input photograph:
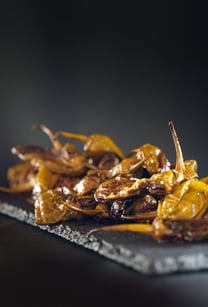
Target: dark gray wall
x=121 y=69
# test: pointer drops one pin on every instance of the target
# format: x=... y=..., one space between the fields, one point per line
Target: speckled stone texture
x=138 y=252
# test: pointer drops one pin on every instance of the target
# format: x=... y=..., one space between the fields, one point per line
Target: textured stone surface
x=135 y=251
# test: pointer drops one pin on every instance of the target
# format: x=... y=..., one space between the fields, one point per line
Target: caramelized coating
x=95 y=145
x=53 y=206
x=163 y=200
x=154 y=158
x=123 y=187
x=188 y=200
x=21 y=178
x=180 y=230
x=59 y=161
x=89 y=183
x=44 y=181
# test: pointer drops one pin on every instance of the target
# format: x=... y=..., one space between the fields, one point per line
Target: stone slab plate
x=138 y=252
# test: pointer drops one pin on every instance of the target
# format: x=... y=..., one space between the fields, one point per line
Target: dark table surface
x=40 y=269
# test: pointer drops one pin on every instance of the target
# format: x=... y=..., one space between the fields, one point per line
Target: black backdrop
x=121 y=68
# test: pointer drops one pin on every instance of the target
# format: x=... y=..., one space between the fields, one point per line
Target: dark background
x=123 y=69
x=120 y=68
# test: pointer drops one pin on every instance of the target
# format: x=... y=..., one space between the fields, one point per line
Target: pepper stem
x=138 y=228
x=179 y=167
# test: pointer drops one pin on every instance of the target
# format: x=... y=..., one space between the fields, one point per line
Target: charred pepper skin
x=140 y=192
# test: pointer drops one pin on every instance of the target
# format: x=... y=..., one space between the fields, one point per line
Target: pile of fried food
x=140 y=192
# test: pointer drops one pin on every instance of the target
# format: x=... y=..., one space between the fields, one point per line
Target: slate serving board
x=138 y=252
